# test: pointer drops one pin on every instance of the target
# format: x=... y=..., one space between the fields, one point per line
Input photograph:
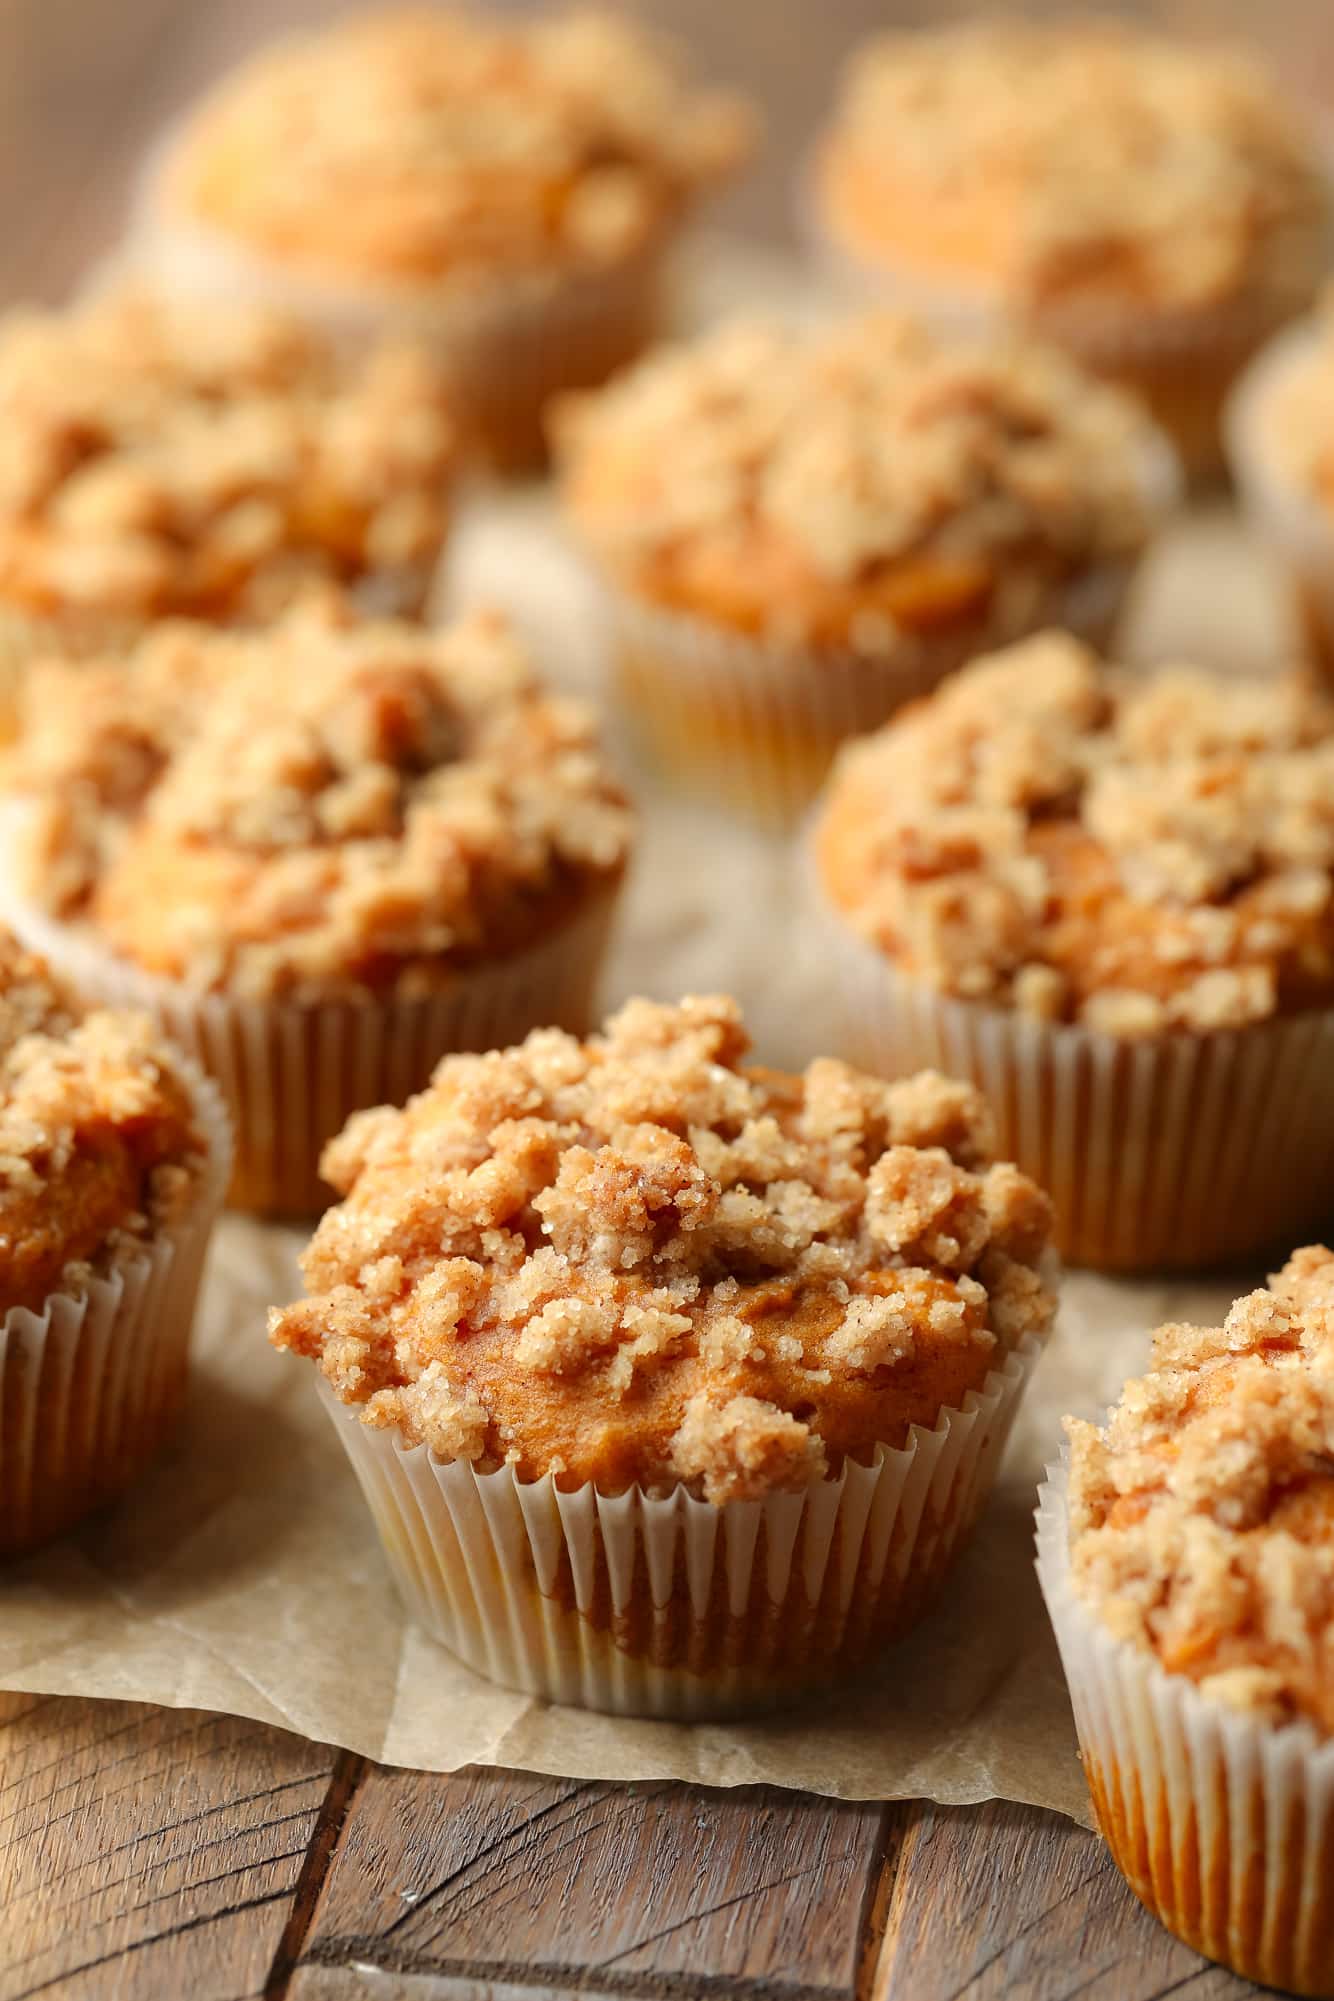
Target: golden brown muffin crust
x=1202 y=1514
x=209 y=460
x=1136 y=853
x=1299 y=413
x=332 y=805
x=636 y=1260
x=846 y=484
x=424 y=146
x=99 y=1146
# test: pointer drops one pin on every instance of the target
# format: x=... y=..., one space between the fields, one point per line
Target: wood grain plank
x=495 y=1877
x=147 y=1852
x=1002 y=1903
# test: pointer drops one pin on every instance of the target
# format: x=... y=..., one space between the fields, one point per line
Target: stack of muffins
x=676 y=1383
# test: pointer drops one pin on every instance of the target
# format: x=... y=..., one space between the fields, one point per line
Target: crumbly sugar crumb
x=1202 y=1514
x=654 y=1264
x=1137 y=853
x=331 y=804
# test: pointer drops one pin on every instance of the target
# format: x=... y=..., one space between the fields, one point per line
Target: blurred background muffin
x=506 y=189
x=320 y=856
x=1153 y=205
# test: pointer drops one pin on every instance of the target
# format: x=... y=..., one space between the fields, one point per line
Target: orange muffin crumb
x=99 y=1147
x=211 y=461
x=1202 y=1514
x=427 y=147
x=848 y=485
x=635 y=1260
x=331 y=806
x=1134 y=853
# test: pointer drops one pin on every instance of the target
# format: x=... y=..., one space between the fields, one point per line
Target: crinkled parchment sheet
x=244 y=1575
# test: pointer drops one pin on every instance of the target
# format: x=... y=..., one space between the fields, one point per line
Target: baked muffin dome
x=1134 y=854
x=635 y=1261
x=333 y=806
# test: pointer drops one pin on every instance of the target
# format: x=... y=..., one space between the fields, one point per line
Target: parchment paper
x=243 y=1574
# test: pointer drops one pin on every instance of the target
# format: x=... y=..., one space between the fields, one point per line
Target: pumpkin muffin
x=205 y=463
x=800 y=529
x=1152 y=205
x=1109 y=900
x=322 y=855
x=1187 y=1557
x=506 y=189
x=113 y=1160
x=705 y=1369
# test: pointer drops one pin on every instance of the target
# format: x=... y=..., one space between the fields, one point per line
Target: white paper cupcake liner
x=91 y=1384
x=676 y=1607
x=509 y=346
x=293 y=1073
x=1222 y=1824
x=1180 y=1152
x=1294 y=525
x=754 y=726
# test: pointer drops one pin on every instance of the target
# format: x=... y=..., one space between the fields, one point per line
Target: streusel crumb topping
x=330 y=805
x=1202 y=1514
x=869 y=476
x=1136 y=853
x=422 y=146
x=209 y=460
x=99 y=1148
x=633 y=1259
x=1080 y=160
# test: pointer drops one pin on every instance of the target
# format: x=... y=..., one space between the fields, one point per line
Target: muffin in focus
x=1186 y=1553
x=114 y=1154
x=1152 y=205
x=207 y=463
x=505 y=189
x=321 y=855
x=1108 y=899
x=705 y=1369
x=800 y=529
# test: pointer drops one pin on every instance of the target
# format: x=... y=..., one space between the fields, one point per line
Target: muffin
x=1151 y=205
x=1108 y=900
x=505 y=189
x=673 y=1385
x=1186 y=1552
x=800 y=529
x=206 y=463
x=320 y=855
x=114 y=1154
x=1280 y=428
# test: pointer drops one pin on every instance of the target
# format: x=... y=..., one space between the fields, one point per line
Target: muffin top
x=1296 y=413
x=845 y=484
x=633 y=1259
x=1078 y=162
x=329 y=806
x=419 y=146
x=1137 y=853
x=1202 y=1515
x=208 y=460
x=99 y=1147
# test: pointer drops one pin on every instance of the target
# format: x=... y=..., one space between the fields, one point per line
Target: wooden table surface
x=162 y=1853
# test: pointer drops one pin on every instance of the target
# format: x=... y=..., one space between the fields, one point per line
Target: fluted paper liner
x=293 y=1073
x=91 y=1385
x=1221 y=1823
x=673 y=1606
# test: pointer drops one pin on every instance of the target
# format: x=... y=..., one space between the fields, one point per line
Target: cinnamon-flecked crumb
x=1135 y=853
x=447 y=148
x=211 y=460
x=636 y=1260
x=1202 y=1514
x=1298 y=413
x=99 y=1147
x=856 y=481
x=1091 y=162
x=330 y=806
